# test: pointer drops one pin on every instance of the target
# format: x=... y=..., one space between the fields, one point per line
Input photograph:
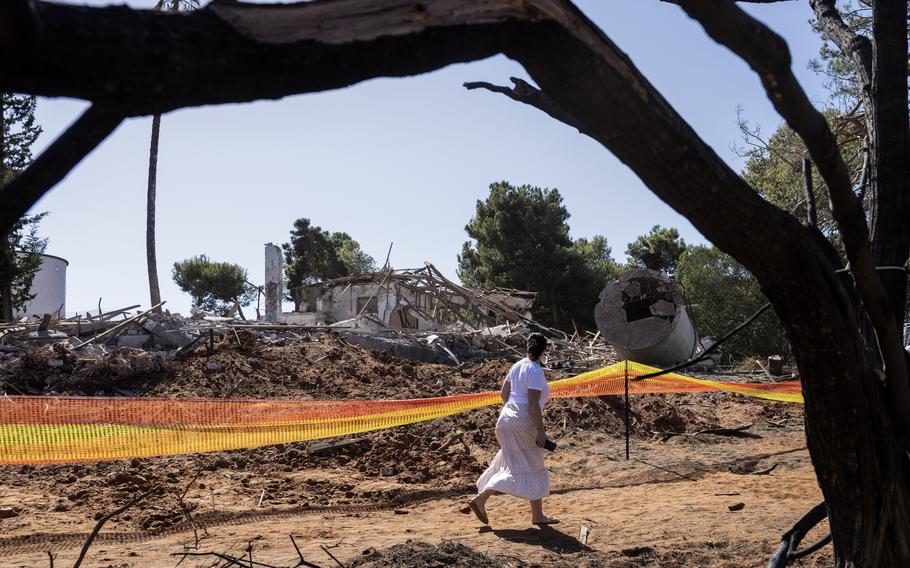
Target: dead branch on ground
x=248 y=562
x=106 y=518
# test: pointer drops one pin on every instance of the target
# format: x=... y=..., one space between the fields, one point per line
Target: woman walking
x=518 y=467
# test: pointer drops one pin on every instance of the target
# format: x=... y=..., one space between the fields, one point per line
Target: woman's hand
x=541 y=437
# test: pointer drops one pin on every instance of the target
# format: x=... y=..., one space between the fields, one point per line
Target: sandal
x=479 y=512
x=547 y=521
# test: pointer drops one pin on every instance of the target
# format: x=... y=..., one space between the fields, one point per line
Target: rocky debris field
x=385 y=468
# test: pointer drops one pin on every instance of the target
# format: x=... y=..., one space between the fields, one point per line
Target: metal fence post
x=627 y=408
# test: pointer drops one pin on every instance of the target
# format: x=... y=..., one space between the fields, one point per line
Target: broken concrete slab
x=396 y=347
x=167 y=333
x=42 y=336
x=137 y=341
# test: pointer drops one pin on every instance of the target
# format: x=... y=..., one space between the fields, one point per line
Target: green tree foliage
x=842 y=81
x=520 y=239
x=20 y=260
x=214 y=286
x=774 y=166
x=19 y=131
x=21 y=247
x=598 y=257
x=658 y=250
x=314 y=254
x=722 y=293
x=355 y=260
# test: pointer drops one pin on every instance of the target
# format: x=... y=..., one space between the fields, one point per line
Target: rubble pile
x=373 y=467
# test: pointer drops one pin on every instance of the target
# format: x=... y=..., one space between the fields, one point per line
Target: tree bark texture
x=6 y=291
x=151 y=259
x=891 y=148
x=231 y=52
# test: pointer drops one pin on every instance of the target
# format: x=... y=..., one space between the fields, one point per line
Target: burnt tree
x=844 y=326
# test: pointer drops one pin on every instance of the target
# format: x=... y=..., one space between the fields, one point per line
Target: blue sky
x=388 y=160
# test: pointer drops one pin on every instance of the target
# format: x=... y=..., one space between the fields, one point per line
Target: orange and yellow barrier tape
x=46 y=429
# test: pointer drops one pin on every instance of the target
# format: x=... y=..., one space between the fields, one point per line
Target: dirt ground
x=396 y=497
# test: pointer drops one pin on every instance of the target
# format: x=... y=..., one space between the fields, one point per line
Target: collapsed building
x=420 y=299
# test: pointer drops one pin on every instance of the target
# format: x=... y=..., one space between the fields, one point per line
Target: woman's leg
x=537 y=516
x=478 y=505
x=481 y=498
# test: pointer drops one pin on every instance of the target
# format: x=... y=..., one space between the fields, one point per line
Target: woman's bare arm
x=536 y=416
x=506 y=391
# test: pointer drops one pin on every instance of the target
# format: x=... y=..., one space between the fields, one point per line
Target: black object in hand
x=549 y=445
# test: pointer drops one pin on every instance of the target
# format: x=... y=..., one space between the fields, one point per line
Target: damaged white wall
x=388 y=303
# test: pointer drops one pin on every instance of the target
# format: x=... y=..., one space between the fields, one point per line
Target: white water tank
x=49 y=288
x=643 y=316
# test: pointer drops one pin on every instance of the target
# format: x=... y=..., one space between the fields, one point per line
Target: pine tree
x=21 y=247
x=520 y=239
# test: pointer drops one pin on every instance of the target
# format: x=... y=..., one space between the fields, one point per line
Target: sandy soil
x=396 y=497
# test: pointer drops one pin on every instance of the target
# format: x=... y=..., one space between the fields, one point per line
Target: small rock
x=8 y=513
x=388 y=471
x=737 y=506
x=636 y=551
x=212 y=366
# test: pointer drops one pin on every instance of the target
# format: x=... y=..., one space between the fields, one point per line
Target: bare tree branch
x=526 y=93
x=767 y=54
x=55 y=163
x=855 y=46
x=239 y=52
x=752 y=137
x=106 y=518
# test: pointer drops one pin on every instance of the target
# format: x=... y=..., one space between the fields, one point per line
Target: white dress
x=518 y=468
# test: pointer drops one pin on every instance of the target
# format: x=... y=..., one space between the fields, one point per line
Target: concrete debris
x=416 y=314
x=710 y=362
x=776 y=365
x=133 y=340
x=166 y=331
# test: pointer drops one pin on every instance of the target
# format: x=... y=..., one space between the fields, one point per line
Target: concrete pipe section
x=643 y=316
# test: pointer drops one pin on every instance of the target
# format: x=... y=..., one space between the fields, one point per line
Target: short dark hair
x=537 y=342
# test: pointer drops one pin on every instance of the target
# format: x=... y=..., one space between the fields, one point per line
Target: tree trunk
x=154 y=292
x=890 y=164
x=6 y=292
x=6 y=303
